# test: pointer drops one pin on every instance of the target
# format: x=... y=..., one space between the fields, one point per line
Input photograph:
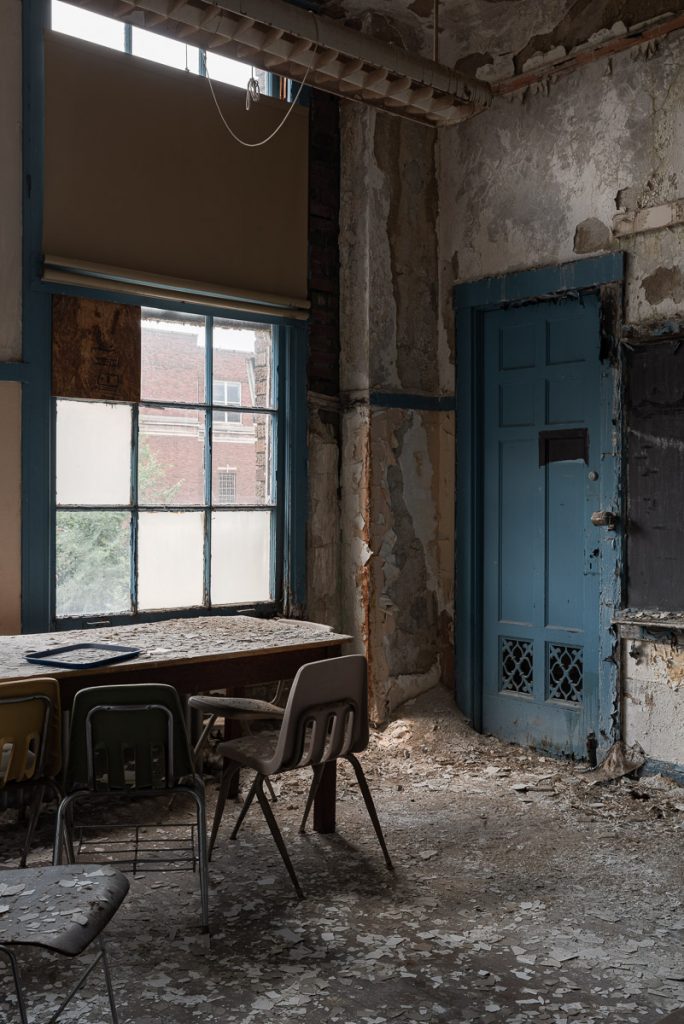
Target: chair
x=241 y=710
x=326 y=718
x=63 y=909
x=131 y=741
x=30 y=748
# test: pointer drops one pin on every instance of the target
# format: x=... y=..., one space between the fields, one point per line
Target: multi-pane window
x=96 y=28
x=142 y=490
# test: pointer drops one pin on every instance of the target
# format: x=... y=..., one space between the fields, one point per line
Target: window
x=142 y=490
x=227 y=487
x=227 y=392
x=96 y=28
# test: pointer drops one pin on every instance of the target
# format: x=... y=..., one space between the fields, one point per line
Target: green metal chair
x=130 y=741
x=30 y=748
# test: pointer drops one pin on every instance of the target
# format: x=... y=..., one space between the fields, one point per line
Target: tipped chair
x=130 y=741
x=325 y=719
x=61 y=909
x=30 y=748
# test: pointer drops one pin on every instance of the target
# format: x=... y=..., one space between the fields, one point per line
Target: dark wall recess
x=324 y=260
x=655 y=477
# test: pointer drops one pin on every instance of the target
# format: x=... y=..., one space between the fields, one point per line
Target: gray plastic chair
x=326 y=718
x=62 y=909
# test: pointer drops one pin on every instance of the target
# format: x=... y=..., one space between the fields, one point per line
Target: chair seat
x=59 y=908
x=235 y=707
x=252 y=751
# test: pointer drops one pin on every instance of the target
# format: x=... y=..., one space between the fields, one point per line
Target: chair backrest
x=30 y=730
x=326 y=715
x=127 y=737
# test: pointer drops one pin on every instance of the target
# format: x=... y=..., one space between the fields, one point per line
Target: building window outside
x=227 y=392
x=142 y=522
x=227 y=487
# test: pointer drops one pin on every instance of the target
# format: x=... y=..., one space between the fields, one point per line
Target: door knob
x=604 y=518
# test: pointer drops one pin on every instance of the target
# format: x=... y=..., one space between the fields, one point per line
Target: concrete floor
x=520 y=894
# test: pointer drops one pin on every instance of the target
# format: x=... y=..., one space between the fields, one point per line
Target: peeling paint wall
x=653 y=698
x=538 y=179
x=397 y=463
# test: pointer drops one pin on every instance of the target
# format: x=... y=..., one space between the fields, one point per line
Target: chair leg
x=108 y=981
x=36 y=804
x=243 y=810
x=370 y=807
x=14 y=966
x=313 y=789
x=275 y=832
x=269 y=787
x=63 y=832
x=228 y=773
x=203 y=854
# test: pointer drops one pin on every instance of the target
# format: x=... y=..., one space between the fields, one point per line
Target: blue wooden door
x=540 y=549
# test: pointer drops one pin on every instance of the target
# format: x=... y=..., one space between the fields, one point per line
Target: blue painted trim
x=577 y=275
x=666 y=768
x=263 y=610
x=431 y=403
x=37 y=411
x=471 y=302
x=208 y=452
x=14 y=372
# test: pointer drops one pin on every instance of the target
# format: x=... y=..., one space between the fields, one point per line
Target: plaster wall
x=10 y=180
x=653 y=698
x=538 y=179
x=397 y=462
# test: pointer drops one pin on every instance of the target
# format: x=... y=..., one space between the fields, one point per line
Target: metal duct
x=278 y=37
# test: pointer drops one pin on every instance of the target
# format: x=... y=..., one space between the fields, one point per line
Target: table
x=215 y=652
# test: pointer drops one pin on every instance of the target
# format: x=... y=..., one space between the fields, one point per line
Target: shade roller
x=145 y=189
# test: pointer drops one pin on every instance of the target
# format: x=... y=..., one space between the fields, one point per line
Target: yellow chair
x=30 y=747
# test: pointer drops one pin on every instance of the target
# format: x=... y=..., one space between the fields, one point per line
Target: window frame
x=289 y=341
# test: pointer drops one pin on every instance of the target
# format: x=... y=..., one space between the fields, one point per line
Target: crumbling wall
x=398 y=440
x=537 y=181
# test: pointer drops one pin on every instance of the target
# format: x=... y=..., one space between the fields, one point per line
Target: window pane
x=93 y=563
x=243 y=354
x=223 y=69
x=94 y=27
x=242 y=444
x=165 y=51
x=170 y=456
x=93 y=453
x=170 y=560
x=240 y=557
x=172 y=357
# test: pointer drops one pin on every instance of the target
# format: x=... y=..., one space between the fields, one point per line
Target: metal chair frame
x=21 y=1001
x=36 y=780
x=195 y=791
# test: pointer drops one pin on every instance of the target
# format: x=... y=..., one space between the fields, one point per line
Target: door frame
x=602 y=274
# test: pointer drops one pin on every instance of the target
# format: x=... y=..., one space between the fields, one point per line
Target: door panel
x=540 y=571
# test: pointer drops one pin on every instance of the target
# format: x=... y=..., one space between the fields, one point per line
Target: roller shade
x=145 y=189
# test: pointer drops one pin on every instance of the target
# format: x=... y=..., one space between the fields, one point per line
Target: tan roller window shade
x=145 y=188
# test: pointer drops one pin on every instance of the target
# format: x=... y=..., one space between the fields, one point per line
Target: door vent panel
x=565 y=673
x=516 y=666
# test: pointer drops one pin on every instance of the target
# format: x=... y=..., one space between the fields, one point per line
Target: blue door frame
x=471 y=302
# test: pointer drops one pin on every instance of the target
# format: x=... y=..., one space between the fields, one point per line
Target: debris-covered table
x=195 y=655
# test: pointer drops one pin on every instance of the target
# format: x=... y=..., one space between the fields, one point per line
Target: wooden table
x=217 y=652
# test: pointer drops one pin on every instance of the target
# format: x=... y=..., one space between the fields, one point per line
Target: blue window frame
x=141 y=524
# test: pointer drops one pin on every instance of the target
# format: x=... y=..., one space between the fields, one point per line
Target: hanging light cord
x=254 y=96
